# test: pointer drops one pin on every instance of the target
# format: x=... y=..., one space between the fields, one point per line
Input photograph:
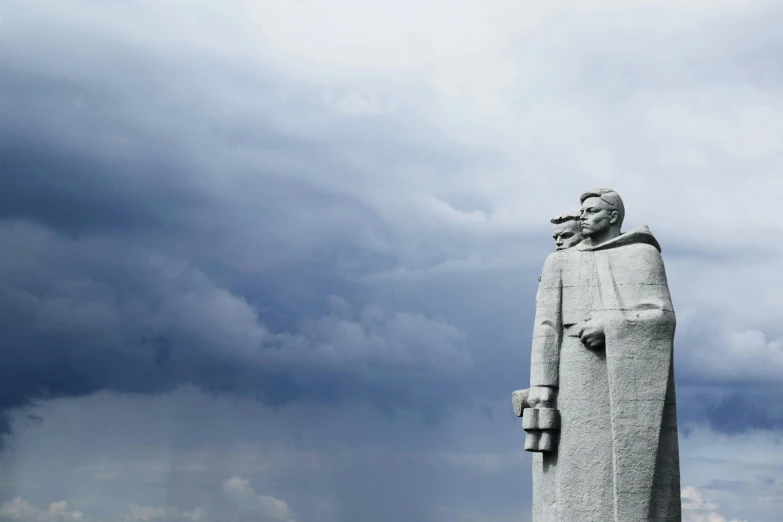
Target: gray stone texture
x=566 y=230
x=602 y=342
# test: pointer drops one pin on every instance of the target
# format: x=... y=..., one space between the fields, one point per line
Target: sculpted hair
x=568 y=216
x=609 y=197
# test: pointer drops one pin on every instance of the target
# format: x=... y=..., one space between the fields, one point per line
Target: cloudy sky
x=277 y=260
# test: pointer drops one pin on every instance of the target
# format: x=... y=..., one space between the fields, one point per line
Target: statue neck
x=604 y=236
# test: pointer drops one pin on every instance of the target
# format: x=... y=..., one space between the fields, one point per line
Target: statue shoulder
x=638 y=263
x=643 y=251
x=643 y=248
x=553 y=267
x=554 y=261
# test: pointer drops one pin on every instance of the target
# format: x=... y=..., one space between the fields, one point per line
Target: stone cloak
x=624 y=287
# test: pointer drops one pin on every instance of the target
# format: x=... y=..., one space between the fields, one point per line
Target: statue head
x=566 y=230
x=602 y=214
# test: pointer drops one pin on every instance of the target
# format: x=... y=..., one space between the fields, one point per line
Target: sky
x=277 y=260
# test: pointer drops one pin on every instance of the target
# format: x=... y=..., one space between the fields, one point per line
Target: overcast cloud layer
x=277 y=261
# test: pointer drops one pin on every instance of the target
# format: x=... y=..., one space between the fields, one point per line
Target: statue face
x=567 y=234
x=597 y=216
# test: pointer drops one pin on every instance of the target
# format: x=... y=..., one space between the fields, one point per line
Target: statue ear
x=615 y=216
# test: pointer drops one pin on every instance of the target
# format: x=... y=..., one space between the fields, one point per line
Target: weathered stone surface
x=566 y=230
x=540 y=419
x=602 y=347
x=519 y=401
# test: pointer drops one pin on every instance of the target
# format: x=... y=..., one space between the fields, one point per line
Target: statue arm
x=547 y=329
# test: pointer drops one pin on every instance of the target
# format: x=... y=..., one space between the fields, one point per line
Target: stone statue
x=542 y=420
x=600 y=415
x=567 y=230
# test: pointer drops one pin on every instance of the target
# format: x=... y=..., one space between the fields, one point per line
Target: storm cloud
x=113 y=224
x=327 y=235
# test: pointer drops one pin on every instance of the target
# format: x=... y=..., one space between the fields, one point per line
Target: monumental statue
x=600 y=413
x=567 y=230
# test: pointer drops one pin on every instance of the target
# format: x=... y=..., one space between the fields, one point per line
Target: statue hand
x=519 y=401
x=542 y=397
x=592 y=335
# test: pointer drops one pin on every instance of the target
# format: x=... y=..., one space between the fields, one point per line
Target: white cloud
x=377 y=337
x=728 y=315
x=358 y=104
x=20 y=509
x=558 y=126
x=738 y=356
x=698 y=509
x=744 y=483
x=237 y=485
x=198 y=514
x=247 y=499
x=150 y=513
x=136 y=513
x=692 y=500
x=467 y=47
x=463 y=46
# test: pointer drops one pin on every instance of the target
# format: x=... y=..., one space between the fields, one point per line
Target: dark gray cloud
x=739 y=412
x=133 y=321
x=317 y=458
x=147 y=252
x=199 y=243
x=204 y=200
